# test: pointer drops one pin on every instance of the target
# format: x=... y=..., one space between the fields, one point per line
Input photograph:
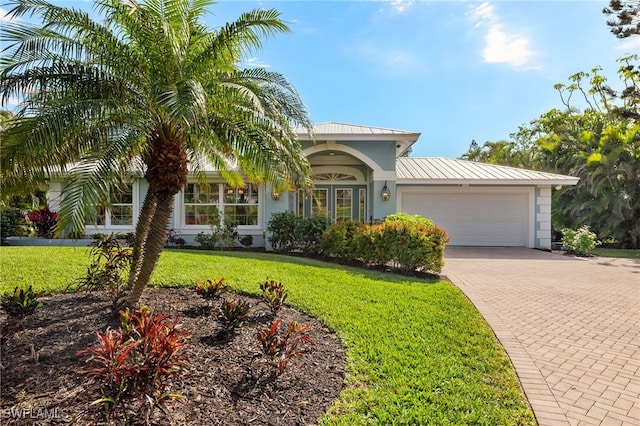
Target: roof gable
x=438 y=170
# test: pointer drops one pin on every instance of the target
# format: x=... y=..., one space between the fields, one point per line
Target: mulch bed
x=227 y=381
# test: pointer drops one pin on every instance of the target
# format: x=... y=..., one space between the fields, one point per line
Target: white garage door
x=484 y=219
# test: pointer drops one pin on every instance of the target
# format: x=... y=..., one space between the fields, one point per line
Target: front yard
x=417 y=351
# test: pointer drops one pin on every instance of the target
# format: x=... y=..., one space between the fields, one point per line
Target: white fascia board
x=408 y=137
x=489 y=182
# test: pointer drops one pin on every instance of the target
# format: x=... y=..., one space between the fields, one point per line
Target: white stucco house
x=359 y=174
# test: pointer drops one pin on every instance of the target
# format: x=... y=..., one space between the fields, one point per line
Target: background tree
x=149 y=91
x=600 y=145
x=626 y=21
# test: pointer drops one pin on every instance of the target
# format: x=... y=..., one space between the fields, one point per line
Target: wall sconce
x=275 y=195
x=385 y=194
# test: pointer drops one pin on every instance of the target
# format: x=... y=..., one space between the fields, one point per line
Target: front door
x=338 y=202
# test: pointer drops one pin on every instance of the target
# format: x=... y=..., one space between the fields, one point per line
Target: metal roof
x=438 y=170
x=335 y=130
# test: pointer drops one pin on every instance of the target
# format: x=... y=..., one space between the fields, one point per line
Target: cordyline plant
x=109 y=264
x=44 y=221
x=212 y=289
x=18 y=305
x=144 y=93
x=133 y=367
x=21 y=303
x=281 y=349
x=274 y=295
x=232 y=314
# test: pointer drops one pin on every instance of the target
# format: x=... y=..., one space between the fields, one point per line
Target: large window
x=213 y=203
x=241 y=205
x=201 y=203
x=119 y=214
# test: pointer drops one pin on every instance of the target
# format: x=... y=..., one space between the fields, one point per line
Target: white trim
x=108 y=227
x=179 y=210
x=347 y=170
x=493 y=182
x=321 y=147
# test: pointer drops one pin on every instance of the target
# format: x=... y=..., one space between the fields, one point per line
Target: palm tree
x=149 y=90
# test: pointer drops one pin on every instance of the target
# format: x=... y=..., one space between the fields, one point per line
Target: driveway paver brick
x=571 y=327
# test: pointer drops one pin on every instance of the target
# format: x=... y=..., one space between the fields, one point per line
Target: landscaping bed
x=227 y=382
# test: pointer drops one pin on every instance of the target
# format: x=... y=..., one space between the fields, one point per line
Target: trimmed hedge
x=290 y=232
x=407 y=242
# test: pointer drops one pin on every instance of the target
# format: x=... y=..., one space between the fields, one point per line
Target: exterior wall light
x=385 y=194
x=275 y=195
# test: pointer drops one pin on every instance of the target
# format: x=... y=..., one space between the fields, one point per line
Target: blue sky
x=452 y=70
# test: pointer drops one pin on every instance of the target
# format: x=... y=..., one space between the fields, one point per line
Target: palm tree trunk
x=142 y=233
x=153 y=245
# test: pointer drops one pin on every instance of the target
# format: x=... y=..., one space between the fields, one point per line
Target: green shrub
x=343 y=240
x=10 y=218
x=410 y=243
x=408 y=218
x=207 y=241
x=580 y=241
x=291 y=232
x=283 y=228
x=309 y=232
x=416 y=245
x=221 y=236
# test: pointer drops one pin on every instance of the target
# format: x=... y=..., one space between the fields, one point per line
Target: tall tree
x=626 y=21
x=148 y=90
x=600 y=144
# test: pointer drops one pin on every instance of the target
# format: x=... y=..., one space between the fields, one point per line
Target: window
x=212 y=203
x=241 y=205
x=119 y=214
x=343 y=204
x=201 y=203
x=319 y=199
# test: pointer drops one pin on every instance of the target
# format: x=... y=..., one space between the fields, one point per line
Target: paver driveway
x=571 y=327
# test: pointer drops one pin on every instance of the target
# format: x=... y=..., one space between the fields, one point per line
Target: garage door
x=474 y=219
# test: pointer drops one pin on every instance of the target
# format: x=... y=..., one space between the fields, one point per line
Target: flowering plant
x=44 y=220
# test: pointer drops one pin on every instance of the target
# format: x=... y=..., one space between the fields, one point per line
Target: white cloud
x=255 y=63
x=401 y=5
x=502 y=46
x=631 y=44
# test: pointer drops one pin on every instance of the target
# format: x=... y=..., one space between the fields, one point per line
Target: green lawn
x=612 y=252
x=418 y=352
